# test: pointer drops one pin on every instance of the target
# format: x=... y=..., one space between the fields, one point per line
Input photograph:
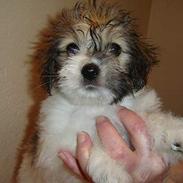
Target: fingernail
x=101 y=122
x=123 y=111
x=121 y=108
x=63 y=155
x=101 y=119
x=81 y=137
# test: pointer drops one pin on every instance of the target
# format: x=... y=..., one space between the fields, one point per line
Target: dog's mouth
x=90 y=85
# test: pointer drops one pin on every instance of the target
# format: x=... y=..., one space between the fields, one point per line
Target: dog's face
x=93 y=54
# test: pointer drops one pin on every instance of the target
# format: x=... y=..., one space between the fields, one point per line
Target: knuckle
x=138 y=125
x=118 y=154
x=159 y=165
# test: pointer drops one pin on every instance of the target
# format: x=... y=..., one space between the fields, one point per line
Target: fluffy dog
x=93 y=61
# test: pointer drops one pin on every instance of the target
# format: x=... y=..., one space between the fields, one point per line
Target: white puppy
x=92 y=62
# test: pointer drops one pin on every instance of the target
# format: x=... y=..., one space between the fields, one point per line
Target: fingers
x=112 y=141
x=78 y=164
x=84 y=145
x=70 y=161
x=136 y=127
x=117 y=148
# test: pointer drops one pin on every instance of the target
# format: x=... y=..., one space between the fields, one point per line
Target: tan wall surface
x=19 y=23
x=140 y=9
x=166 y=30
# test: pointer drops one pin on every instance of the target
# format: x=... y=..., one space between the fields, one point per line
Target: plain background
x=21 y=20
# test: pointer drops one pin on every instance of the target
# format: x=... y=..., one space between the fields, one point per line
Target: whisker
x=39 y=86
x=51 y=75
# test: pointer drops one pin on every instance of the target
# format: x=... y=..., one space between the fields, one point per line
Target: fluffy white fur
x=61 y=121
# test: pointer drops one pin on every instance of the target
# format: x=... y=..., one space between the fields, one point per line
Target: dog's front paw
x=173 y=142
x=176 y=141
x=177 y=147
x=103 y=169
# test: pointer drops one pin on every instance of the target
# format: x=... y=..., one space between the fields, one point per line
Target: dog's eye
x=72 y=49
x=115 y=49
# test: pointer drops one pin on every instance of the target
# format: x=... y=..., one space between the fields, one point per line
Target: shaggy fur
x=92 y=62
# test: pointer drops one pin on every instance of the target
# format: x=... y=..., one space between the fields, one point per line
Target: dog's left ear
x=142 y=57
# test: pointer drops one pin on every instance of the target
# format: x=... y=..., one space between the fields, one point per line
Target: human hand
x=142 y=163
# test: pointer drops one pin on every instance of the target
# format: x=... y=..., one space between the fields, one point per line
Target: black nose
x=90 y=71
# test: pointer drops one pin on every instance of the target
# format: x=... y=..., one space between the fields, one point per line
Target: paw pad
x=177 y=147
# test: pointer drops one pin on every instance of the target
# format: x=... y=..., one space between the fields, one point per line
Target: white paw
x=174 y=145
x=177 y=146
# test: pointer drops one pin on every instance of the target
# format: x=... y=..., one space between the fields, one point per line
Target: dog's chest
x=63 y=121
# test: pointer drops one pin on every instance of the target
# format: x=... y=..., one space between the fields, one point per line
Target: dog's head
x=93 y=53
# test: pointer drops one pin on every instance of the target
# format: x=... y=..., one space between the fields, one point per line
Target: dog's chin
x=89 y=94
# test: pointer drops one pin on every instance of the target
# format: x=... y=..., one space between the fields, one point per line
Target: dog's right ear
x=47 y=53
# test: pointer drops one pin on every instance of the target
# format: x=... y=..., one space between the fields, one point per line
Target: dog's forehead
x=93 y=26
x=82 y=31
x=108 y=33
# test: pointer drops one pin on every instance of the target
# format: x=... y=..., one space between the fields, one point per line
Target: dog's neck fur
x=144 y=100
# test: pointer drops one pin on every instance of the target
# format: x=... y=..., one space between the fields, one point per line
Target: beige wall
x=166 y=30
x=140 y=9
x=19 y=23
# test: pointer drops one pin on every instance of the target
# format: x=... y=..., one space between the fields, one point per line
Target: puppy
x=93 y=61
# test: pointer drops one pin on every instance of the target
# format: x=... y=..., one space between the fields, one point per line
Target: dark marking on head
x=96 y=39
x=81 y=31
x=120 y=85
x=92 y=3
